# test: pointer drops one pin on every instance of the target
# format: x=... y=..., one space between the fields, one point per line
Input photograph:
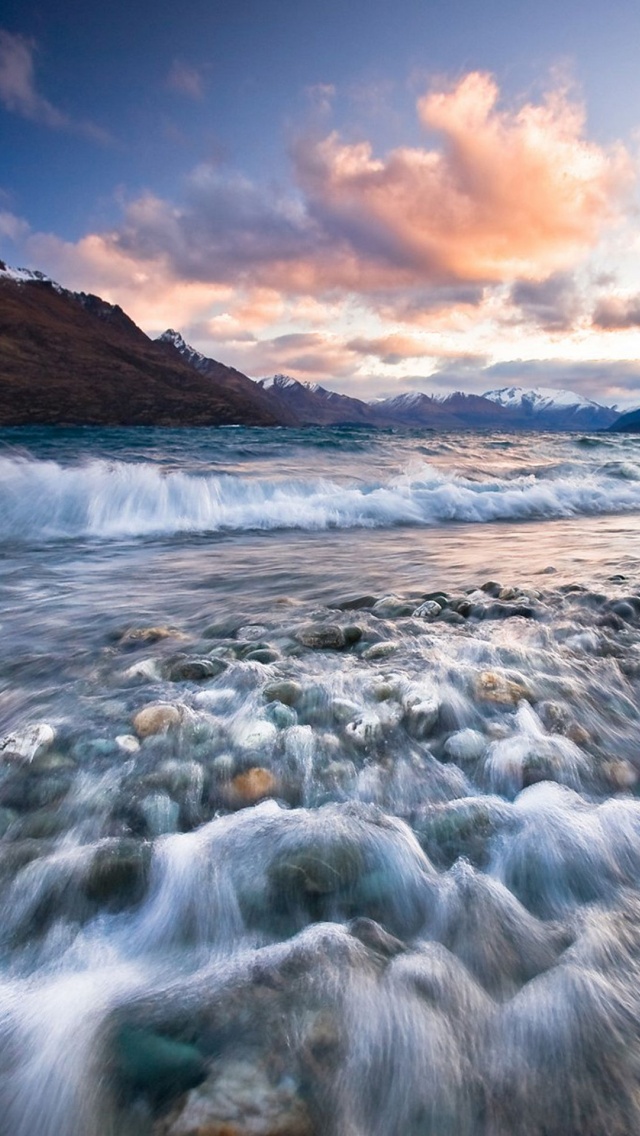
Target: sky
x=376 y=196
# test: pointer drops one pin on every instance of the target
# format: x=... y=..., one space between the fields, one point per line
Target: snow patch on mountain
x=539 y=400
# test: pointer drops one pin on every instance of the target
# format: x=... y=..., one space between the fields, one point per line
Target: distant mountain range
x=71 y=358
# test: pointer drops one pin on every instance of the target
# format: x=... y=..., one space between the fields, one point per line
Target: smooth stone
x=148 y=670
x=353 y=634
x=255 y=735
x=358 y=603
x=150 y=634
x=24 y=745
x=421 y=709
x=284 y=690
x=117 y=873
x=322 y=636
x=379 y=651
x=160 y=813
x=264 y=655
x=465 y=746
x=430 y=609
x=156 y=718
x=393 y=607
x=126 y=743
x=195 y=670
x=282 y=716
x=491 y=686
x=158 y=1066
x=492 y=588
x=252 y=786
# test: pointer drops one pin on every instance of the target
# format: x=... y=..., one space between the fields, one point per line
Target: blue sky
x=376 y=196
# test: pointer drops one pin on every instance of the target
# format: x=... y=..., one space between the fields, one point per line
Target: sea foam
x=109 y=500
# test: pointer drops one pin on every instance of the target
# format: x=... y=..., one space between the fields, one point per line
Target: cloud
x=553 y=304
x=19 y=93
x=185 y=80
x=614 y=313
x=391 y=349
x=509 y=195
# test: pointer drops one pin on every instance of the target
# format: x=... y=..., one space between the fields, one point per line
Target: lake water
x=319 y=805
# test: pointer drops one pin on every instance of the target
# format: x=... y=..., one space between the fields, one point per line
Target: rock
x=380 y=650
x=26 y=744
x=135 y=635
x=239 y=1099
x=492 y=588
x=160 y=813
x=465 y=746
x=393 y=607
x=126 y=743
x=252 y=786
x=282 y=716
x=284 y=690
x=118 y=872
x=195 y=670
x=430 y=609
x=421 y=709
x=620 y=774
x=156 y=718
x=146 y=670
x=264 y=655
x=353 y=634
x=322 y=636
x=358 y=603
x=158 y=1066
x=491 y=686
x=254 y=736
x=252 y=632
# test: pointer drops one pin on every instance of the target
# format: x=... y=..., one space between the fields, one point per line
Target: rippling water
x=319 y=784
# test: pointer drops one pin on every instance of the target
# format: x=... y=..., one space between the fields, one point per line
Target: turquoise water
x=318 y=790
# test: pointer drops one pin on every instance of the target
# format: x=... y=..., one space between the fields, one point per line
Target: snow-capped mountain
x=314 y=405
x=554 y=409
x=73 y=358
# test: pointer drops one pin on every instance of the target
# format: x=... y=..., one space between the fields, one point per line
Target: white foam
x=45 y=500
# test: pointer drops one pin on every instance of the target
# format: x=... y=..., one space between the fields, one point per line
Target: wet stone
x=156 y=718
x=283 y=690
x=195 y=670
x=322 y=637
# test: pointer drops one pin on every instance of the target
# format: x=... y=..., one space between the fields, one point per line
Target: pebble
x=284 y=690
x=490 y=686
x=465 y=746
x=430 y=609
x=126 y=743
x=322 y=636
x=380 y=651
x=393 y=607
x=194 y=670
x=150 y=634
x=252 y=786
x=156 y=718
x=25 y=744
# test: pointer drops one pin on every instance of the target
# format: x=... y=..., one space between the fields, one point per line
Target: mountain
x=449 y=412
x=71 y=358
x=548 y=409
x=174 y=346
x=630 y=421
x=313 y=405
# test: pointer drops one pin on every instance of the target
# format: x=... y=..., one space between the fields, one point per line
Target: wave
x=44 y=500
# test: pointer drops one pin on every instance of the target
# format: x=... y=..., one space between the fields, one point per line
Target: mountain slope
x=313 y=405
x=630 y=421
x=175 y=347
x=72 y=358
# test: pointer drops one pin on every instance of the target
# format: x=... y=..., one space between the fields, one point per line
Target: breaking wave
x=102 y=499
